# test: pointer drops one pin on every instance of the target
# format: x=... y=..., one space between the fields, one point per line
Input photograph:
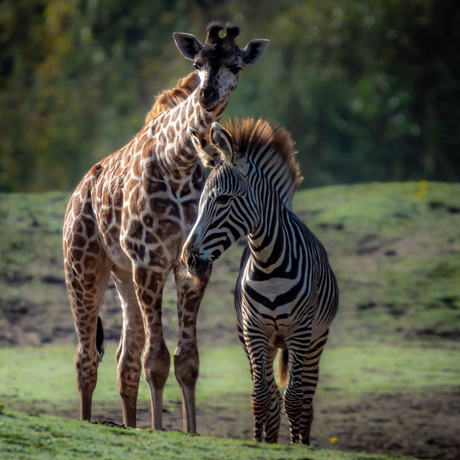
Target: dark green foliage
x=367 y=89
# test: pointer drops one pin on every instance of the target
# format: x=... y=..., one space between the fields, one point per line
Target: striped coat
x=286 y=295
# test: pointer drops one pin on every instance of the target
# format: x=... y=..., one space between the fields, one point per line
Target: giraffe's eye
x=197 y=65
x=223 y=199
x=235 y=69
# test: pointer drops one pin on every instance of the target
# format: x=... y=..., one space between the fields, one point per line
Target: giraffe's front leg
x=130 y=348
x=157 y=361
x=190 y=291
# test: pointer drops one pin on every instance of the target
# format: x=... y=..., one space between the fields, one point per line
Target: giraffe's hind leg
x=130 y=347
x=87 y=274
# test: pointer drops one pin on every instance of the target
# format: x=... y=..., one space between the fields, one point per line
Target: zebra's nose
x=194 y=263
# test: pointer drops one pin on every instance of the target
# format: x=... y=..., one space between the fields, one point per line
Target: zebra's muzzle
x=194 y=264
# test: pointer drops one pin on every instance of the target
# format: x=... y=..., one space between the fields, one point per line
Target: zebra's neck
x=271 y=245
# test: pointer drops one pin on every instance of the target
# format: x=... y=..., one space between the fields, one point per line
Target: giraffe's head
x=218 y=61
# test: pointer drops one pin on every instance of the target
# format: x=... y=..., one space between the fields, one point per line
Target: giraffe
x=128 y=219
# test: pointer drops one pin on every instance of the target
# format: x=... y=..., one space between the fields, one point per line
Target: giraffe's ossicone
x=128 y=219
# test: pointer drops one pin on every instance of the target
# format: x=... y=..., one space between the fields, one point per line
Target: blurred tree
x=368 y=89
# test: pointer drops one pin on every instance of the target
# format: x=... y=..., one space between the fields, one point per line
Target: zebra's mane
x=170 y=98
x=270 y=147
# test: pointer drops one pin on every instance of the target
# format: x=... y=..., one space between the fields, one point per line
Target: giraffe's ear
x=207 y=153
x=255 y=50
x=188 y=44
x=223 y=142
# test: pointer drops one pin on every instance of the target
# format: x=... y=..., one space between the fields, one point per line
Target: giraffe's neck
x=173 y=141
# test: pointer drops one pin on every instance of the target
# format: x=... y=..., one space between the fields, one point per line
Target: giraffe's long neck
x=173 y=141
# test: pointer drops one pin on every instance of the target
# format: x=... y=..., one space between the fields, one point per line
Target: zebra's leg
x=293 y=397
x=309 y=382
x=257 y=346
x=273 y=421
x=298 y=345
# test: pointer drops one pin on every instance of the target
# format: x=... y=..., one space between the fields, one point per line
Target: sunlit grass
x=45 y=375
x=44 y=437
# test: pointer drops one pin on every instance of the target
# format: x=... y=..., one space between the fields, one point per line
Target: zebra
x=286 y=293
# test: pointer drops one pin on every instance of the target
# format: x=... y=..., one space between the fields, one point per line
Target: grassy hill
x=29 y=436
x=394 y=247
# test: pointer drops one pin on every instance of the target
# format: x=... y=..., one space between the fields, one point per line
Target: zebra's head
x=227 y=210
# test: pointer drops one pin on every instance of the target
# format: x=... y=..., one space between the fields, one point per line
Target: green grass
x=42 y=437
x=45 y=375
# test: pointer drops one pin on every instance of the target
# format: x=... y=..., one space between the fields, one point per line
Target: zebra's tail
x=100 y=338
x=283 y=360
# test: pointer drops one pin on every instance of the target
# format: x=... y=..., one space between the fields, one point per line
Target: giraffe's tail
x=283 y=361
x=100 y=338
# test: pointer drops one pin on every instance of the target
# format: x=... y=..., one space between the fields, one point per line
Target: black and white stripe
x=286 y=294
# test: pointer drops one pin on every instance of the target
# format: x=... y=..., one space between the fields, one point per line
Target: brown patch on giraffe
x=154 y=285
x=140 y=276
x=167 y=227
x=78 y=241
x=156 y=258
x=154 y=186
x=135 y=230
x=150 y=237
x=147 y=298
x=186 y=190
x=90 y=227
x=190 y=210
x=94 y=247
x=76 y=254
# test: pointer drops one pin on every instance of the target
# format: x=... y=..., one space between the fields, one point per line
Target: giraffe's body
x=129 y=218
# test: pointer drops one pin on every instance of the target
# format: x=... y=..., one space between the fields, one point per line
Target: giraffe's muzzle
x=209 y=97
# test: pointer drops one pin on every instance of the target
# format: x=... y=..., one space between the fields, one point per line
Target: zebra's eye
x=223 y=199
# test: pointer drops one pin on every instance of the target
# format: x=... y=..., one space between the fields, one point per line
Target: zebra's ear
x=207 y=153
x=223 y=142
